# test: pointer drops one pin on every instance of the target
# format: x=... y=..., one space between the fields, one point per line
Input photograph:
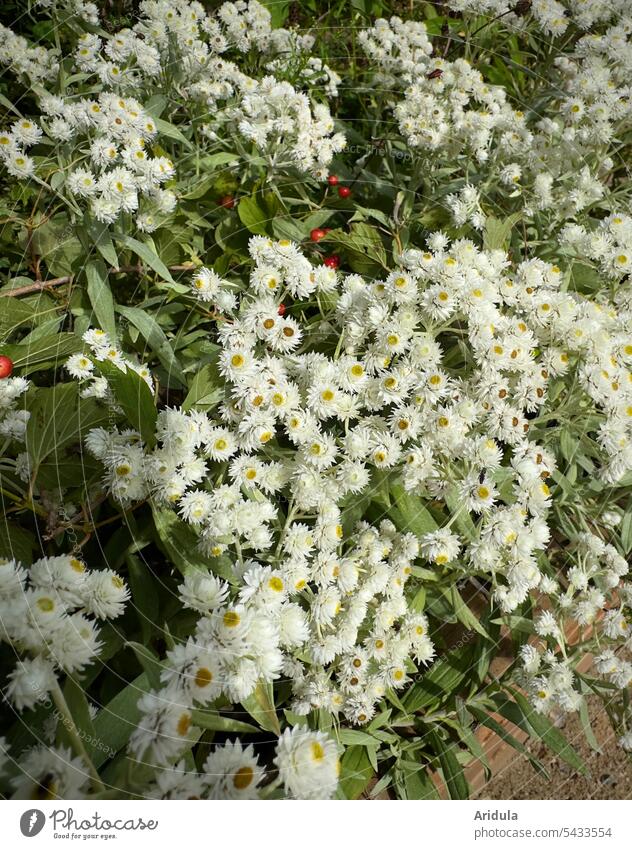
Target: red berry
x=332 y=261
x=344 y=192
x=317 y=234
x=281 y=309
x=332 y=180
x=6 y=367
x=228 y=202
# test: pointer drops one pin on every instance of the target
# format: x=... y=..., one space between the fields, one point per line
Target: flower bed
x=315 y=390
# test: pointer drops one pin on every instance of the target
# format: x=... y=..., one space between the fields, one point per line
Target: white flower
x=308 y=763
x=232 y=772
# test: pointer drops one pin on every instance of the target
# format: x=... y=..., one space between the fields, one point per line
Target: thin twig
x=41 y=285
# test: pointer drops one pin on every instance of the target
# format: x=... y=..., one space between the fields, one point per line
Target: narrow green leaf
x=463 y=613
x=549 y=734
x=171 y=132
x=134 y=396
x=149 y=661
x=56 y=347
x=355 y=772
x=181 y=545
x=146 y=254
x=498 y=729
x=453 y=774
x=260 y=706
x=101 y=296
x=155 y=337
x=408 y=512
x=114 y=723
x=212 y=721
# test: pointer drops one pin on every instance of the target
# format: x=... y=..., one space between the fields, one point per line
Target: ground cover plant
x=315 y=392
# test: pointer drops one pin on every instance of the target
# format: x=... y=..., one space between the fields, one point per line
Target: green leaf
x=171 y=132
x=252 y=216
x=58 y=419
x=588 y=731
x=155 y=337
x=498 y=232
x=549 y=734
x=114 y=723
x=363 y=246
x=202 y=184
x=463 y=613
x=260 y=706
x=352 y=737
x=51 y=348
x=207 y=389
x=101 y=239
x=146 y=254
x=181 y=545
x=143 y=583
x=212 y=721
x=77 y=702
x=355 y=772
x=626 y=530
x=16 y=314
x=453 y=774
x=134 y=396
x=15 y=542
x=149 y=661
x=408 y=512
x=101 y=296
x=444 y=679
x=498 y=729
x=418 y=784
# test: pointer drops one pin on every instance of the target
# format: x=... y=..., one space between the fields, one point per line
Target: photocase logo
x=32 y=822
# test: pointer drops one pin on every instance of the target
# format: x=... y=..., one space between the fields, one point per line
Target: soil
x=609 y=772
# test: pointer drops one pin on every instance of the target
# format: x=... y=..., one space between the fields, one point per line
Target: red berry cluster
x=343 y=191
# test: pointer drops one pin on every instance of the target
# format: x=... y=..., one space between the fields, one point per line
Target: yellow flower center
x=203 y=677
x=243 y=778
x=184 y=723
x=276 y=584
x=231 y=619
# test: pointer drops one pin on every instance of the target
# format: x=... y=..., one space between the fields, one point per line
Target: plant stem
x=75 y=736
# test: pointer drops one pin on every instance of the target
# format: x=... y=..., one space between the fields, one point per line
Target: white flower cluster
x=112 y=133
x=548 y=681
x=271 y=113
x=13 y=422
x=399 y=50
x=450 y=107
x=292 y=53
x=554 y=153
x=36 y=64
x=81 y=366
x=283 y=123
x=307 y=762
x=50 y=772
x=594 y=597
x=385 y=401
x=82 y=9
x=347 y=611
x=609 y=245
x=48 y=615
x=552 y=17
